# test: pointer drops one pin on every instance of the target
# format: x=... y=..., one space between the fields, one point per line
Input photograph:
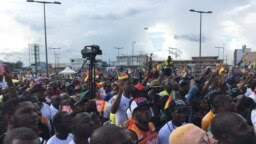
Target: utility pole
x=118 y=48
x=140 y=57
x=218 y=51
x=29 y=48
x=55 y=58
x=200 y=32
x=133 y=43
x=36 y=56
x=45 y=34
x=218 y=47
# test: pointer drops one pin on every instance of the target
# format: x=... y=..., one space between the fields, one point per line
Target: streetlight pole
x=45 y=33
x=118 y=48
x=55 y=58
x=133 y=51
x=218 y=50
x=200 y=37
x=140 y=57
x=218 y=47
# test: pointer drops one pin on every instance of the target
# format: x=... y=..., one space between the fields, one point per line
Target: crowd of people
x=156 y=106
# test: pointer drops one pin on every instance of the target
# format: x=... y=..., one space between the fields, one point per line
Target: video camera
x=91 y=51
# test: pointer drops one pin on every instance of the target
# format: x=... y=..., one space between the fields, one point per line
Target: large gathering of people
x=164 y=105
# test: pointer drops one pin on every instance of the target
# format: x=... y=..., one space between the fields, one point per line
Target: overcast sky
x=117 y=23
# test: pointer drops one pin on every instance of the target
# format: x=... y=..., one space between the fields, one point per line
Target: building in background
x=249 y=58
x=39 y=68
x=76 y=63
x=206 y=61
x=239 y=54
x=132 y=61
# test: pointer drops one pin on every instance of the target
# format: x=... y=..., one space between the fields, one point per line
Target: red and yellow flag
x=221 y=69
x=122 y=75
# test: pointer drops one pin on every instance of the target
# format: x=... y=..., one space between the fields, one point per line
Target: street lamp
x=118 y=48
x=200 y=42
x=45 y=35
x=219 y=47
x=55 y=58
x=133 y=51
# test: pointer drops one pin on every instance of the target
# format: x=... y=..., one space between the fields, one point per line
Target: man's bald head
x=232 y=128
x=190 y=134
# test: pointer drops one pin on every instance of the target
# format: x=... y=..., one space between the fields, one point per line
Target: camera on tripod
x=91 y=51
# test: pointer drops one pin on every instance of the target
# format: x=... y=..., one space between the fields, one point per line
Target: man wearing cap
x=178 y=112
x=139 y=126
x=155 y=101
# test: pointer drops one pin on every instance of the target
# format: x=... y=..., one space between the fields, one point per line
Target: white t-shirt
x=253 y=119
x=121 y=112
x=108 y=110
x=55 y=140
x=248 y=92
x=72 y=142
x=165 y=132
x=53 y=111
x=253 y=96
x=46 y=112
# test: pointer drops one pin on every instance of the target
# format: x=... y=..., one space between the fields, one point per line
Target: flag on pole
x=86 y=76
x=31 y=83
x=221 y=69
x=121 y=75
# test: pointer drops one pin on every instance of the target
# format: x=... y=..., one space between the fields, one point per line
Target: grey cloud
x=190 y=37
x=117 y=16
x=34 y=24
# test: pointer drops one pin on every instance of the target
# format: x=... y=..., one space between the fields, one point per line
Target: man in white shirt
x=178 y=110
x=61 y=124
x=54 y=107
x=250 y=92
x=121 y=101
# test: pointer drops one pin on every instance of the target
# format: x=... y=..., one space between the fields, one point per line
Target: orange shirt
x=144 y=137
x=206 y=121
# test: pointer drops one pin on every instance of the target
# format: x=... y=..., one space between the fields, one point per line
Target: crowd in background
x=154 y=106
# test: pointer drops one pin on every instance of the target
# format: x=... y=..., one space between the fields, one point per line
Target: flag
x=86 y=76
x=31 y=83
x=121 y=75
x=221 y=69
x=168 y=102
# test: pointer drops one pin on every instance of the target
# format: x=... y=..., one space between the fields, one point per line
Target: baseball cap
x=138 y=102
x=139 y=87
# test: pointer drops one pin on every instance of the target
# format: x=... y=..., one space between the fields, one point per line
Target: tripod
x=91 y=80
